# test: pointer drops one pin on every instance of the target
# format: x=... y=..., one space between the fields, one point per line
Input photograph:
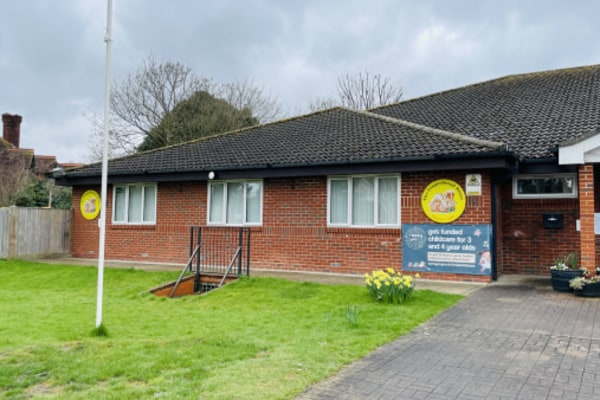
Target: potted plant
x=586 y=286
x=563 y=270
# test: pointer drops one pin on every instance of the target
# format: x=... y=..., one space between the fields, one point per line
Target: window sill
x=133 y=227
x=374 y=230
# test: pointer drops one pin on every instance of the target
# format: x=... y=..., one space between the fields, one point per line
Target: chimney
x=12 y=128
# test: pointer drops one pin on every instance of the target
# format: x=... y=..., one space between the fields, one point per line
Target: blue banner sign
x=458 y=249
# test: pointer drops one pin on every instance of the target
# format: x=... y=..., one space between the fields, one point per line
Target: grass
x=257 y=338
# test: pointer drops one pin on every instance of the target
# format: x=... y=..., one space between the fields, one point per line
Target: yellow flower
x=417 y=275
x=391 y=270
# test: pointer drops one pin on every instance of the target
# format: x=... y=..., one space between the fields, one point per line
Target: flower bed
x=389 y=286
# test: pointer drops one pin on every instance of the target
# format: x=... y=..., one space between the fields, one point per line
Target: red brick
x=294 y=234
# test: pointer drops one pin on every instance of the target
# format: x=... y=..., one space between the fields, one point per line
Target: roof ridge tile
x=435 y=131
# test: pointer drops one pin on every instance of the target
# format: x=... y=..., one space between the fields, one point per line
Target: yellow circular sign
x=90 y=204
x=443 y=201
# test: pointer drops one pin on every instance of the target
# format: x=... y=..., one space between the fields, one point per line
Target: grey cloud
x=52 y=53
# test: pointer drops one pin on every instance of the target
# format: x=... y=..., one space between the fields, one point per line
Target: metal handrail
x=236 y=255
x=187 y=266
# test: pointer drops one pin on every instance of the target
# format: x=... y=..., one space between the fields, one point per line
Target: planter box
x=589 y=290
x=560 y=279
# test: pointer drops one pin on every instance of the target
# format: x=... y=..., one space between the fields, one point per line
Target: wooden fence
x=34 y=232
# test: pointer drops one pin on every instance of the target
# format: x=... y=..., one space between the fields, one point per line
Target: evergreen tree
x=200 y=115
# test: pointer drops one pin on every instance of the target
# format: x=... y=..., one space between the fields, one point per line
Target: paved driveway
x=508 y=340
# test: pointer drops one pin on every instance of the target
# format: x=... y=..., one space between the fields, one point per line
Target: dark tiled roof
x=334 y=136
x=532 y=113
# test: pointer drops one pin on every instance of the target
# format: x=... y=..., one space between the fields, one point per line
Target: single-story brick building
x=492 y=178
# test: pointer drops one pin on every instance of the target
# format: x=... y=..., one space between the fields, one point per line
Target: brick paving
x=515 y=340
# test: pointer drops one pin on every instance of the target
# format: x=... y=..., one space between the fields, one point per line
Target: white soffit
x=583 y=152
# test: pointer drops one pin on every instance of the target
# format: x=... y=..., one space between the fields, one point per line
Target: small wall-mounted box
x=553 y=220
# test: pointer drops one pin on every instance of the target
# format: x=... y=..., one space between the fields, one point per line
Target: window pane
x=235 y=203
x=388 y=201
x=363 y=198
x=338 y=206
x=120 y=210
x=217 y=203
x=150 y=204
x=253 y=202
x=135 y=204
x=568 y=184
x=546 y=185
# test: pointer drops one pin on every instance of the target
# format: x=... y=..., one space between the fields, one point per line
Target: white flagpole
x=102 y=220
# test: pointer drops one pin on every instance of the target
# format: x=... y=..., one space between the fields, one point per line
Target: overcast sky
x=52 y=53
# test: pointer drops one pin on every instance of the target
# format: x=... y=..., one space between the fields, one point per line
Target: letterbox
x=553 y=221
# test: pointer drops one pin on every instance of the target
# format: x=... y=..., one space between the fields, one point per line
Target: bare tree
x=245 y=95
x=144 y=97
x=361 y=92
x=323 y=103
x=122 y=138
x=141 y=101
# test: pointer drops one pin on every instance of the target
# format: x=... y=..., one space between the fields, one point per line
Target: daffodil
x=389 y=286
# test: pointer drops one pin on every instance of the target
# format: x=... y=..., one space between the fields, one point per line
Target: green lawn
x=257 y=338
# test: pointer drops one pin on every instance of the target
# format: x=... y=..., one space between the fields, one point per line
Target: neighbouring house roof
x=5 y=144
x=336 y=137
x=532 y=113
x=44 y=164
x=38 y=164
x=12 y=159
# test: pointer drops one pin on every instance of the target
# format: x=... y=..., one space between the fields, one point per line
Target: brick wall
x=597 y=207
x=178 y=207
x=294 y=234
x=498 y=229
x=587 y=257
x=528 y=248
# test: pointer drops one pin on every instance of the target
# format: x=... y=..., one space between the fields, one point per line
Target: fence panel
x=34 y=232
x=3 y=232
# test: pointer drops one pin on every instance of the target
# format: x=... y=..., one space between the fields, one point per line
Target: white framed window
x=546 y=186
x=364 y=201
x=235 y=202
x=134 y=204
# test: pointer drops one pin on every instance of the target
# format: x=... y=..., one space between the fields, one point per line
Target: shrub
x=389 y=286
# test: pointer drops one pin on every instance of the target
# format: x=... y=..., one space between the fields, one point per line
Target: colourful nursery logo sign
x=443 y=201
x=90 y=204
